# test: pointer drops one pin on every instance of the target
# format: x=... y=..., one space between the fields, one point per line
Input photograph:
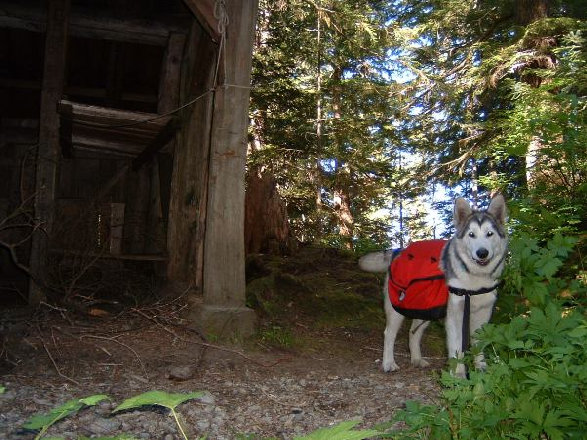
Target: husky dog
x=472 y=262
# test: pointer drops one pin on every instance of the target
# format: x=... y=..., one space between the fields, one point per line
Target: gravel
x=257 y=393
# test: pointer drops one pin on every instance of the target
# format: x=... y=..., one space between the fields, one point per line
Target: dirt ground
x=319 y=373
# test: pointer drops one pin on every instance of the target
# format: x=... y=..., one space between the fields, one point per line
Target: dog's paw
x=460 y=371
x=481 y=365
x=420 y=363
x=388 y=367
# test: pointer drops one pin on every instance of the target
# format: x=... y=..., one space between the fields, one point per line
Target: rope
x=222 y=17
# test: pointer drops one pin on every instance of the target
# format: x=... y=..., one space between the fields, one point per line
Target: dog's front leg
x=454 y=331
x=481 y=310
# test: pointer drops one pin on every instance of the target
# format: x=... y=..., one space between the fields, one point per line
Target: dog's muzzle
x=481 y=257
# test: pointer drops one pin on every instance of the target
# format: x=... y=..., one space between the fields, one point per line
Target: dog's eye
x=489 y=233
x=472 y=234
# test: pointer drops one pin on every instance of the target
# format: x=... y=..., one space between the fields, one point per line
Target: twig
x=204 y=344
x=56 y=367
x=113 y=339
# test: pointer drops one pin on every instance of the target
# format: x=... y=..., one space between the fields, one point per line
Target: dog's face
x=481 y=235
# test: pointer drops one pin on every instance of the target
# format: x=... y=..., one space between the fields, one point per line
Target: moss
x=320 y=287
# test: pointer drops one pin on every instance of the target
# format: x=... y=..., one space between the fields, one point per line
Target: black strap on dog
x=466 y=331
x=466 y=323
x=466 y=292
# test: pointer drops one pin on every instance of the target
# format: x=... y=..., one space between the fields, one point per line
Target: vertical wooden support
x=168 y=101
x=189 y=183
x=48 y=148
x=170 y=74
x=224 y=251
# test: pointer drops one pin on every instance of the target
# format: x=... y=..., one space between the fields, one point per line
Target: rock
x=104 y=426
x=182 y=372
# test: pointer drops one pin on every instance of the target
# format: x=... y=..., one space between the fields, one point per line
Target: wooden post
x=189 y=181
x=48 y=149
x=168 y=100
x=224 y=308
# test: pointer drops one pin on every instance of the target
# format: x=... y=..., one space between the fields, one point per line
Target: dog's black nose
x=482 y=253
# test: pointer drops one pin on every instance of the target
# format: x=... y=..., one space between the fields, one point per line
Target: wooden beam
x=105 y=116
x=97 y=25
x=224 y=307
x=128 y=257
x=65 y=130
x=170 y=78
x=204 y=12
x=48 y=152
x=162 y=138
x=93 y=92
x=189 y=179
x=113 y=130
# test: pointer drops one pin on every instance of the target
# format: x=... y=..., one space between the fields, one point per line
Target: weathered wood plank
x=112 y=130
x=95 y=24
x=93 y=92
x=224 y=250
x=188 y=199
x=112 y=116
x=171 y=73
x=161 y=139
x=168 y=101
x=48 y=152
x=204 y=12
x=128 y=257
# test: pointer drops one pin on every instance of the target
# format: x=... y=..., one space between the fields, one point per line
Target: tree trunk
x=316 y=173
x=342 y=206
x=266 y=225
x=527 y=12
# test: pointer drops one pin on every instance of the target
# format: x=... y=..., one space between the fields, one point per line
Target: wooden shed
x=123 y=141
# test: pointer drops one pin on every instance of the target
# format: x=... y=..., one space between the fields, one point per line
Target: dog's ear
x=498 y=209
x=462 y=212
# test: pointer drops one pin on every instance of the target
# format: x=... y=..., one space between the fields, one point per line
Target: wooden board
x=125 y=132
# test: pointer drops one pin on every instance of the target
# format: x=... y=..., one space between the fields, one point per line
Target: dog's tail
x=376 y=261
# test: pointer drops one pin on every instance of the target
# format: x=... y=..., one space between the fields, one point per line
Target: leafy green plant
x=534 y=386
x=342 y=431
x=159 y=398
x=536 y=378
x=42 y=422
x=531 y=269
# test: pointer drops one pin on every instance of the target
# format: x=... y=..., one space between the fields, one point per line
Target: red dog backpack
x=417 y=288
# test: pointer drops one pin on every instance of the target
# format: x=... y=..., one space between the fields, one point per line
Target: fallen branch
x=56 y=367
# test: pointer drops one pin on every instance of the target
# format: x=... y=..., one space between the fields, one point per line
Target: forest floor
x=314 y=362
